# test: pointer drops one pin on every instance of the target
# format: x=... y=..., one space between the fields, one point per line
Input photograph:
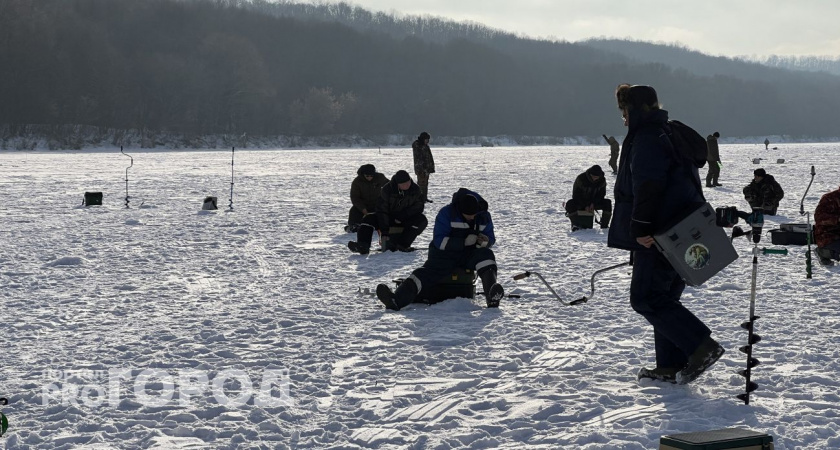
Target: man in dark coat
x=588 y=194
x=827 y=228
x=652 y=189
x=713 y=158
x=364 y=191
x=614 y=148
x=400 y=205
x=764 y=192
x=424 y=163
x=462 y=239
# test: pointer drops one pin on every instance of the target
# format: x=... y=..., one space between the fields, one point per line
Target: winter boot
x=405 y=294
x=706 y=354
x=666 y=374
x=605 y=219
x=355 y=247
x=824 y=256
x=492 y=290
x=386 y=296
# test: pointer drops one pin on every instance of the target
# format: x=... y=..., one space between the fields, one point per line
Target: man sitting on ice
x=827 y=228
x=462 y=239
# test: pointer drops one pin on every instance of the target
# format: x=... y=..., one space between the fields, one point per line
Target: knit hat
x=367 y=169
x=760 y=172
x=595 y=171
x=401 y=177
x=468 y=204
x=423 y=136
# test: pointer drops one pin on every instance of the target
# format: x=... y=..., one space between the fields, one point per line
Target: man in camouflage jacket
x=827 y=227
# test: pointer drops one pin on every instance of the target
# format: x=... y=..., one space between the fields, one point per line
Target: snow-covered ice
x=270 y=288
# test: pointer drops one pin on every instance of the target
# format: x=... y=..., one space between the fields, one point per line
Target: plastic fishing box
x=696 y=247
x=792 y=234
x=727 y=438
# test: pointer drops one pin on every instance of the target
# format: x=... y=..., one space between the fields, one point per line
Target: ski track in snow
x=271 y=285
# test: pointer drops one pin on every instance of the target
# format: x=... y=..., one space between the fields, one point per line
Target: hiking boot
x=666 y=374
x=355 y=247
x=707 y=353
x=494 y=296
x=718 y=185
x=386 y=296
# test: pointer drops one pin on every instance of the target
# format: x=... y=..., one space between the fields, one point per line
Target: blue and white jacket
x=451 y=228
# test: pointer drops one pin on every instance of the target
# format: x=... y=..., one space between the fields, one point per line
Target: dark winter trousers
x=412 y=228
x=355 y=216
x=713 y=174
x=830 y=251
x=605 y=205
x=655 y=292
x=435 y=269
x=423 y=183
x=613 y=161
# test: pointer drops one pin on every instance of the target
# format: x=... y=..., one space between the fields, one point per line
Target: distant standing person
x=766 y=143
x=613 y=152
x=713 y=157
x=424 y=163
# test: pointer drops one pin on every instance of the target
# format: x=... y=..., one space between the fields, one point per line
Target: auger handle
x=522 y=276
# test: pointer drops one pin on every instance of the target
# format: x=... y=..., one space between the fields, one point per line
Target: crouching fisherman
x=463 y=236
x=364 y=191
x=400 y=206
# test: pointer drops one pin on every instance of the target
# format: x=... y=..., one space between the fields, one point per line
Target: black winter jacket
x=396 y=205
x=586 y=191
x=653 y=187
x=764 y=194
x=364 y=193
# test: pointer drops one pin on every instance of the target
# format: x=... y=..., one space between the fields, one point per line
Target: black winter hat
x=760 y=172
x=595 y=170
x=468 y=204
x=367 y=169
x=401 y=177
x=423 y=136
x=637 y=97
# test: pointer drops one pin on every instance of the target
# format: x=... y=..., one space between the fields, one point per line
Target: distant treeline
x=231 y=67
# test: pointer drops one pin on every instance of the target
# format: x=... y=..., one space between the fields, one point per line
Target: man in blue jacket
x=653 y=189
x=462 y=238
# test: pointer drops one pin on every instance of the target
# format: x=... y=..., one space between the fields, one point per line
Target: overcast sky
x=717 y=27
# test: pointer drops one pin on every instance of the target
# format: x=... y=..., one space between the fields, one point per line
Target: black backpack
x=689 y=144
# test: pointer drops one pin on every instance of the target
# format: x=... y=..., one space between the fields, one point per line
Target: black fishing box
x=792 y=234
x=727 y=438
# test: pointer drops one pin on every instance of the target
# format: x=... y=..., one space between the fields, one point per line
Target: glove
x=470 y=240
x=483 y=240
x=720 y=164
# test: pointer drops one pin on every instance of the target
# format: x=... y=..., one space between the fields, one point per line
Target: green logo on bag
x=697 y=256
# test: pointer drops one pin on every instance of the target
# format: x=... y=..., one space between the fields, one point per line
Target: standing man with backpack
x=656 y=185
x=714 y=160
x=424 y=163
